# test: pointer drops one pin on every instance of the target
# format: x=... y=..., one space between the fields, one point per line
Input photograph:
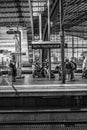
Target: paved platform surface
x=29 y=80
x=28 y=83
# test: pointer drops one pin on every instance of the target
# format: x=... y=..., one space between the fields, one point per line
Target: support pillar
x=18 y=56
x=62 y=39
x=20 y=52
x=49 y=50
x=72 y=46
x=40 y=26
x=40 y=34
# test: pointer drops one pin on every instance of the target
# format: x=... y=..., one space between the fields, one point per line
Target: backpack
x=74 y=66
x=68 y=67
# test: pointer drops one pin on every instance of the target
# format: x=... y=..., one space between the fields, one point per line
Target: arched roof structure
x=74 y=17
x=24 y=13
x=16 y=13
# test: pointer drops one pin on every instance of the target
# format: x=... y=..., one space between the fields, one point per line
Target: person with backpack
x=74 y=67
x=68 y=69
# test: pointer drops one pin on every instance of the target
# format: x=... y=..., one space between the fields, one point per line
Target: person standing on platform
x=68 y=69
x=74 y=66
x=83 y=66
x=58 y=70
x=13 y=70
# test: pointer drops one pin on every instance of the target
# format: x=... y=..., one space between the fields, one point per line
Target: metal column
x=72 y=46
x=49 y=51
x=40 y=34
x=62 y=39
x=20 y=47
x=19 y=34
x=40 y=26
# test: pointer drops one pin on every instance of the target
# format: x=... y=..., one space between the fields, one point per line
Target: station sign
x=47 y=45
x=12 y=32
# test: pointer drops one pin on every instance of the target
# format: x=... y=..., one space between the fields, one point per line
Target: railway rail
x=43 y=120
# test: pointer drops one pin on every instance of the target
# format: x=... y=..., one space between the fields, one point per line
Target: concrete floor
x=28 y=84
x=29 y=80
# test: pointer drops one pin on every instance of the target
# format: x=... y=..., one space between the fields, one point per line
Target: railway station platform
x=43 y=104
x=42 y=93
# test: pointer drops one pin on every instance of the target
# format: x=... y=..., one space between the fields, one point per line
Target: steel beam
x=62 y=39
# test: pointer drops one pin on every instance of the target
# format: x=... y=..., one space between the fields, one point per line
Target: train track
x=43 y=120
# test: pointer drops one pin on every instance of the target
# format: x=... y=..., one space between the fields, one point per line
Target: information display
x=46 y=45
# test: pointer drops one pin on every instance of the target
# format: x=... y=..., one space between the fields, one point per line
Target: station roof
x=18 y=13
x=74 y=17
x=14 y=13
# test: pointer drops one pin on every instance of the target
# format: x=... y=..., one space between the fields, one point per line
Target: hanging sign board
x=46 y=45
x=12 y=32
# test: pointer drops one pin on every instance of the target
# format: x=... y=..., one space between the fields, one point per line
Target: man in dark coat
x=13 y=70
x=68 y=69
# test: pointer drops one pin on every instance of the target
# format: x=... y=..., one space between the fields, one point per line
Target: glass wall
x=75 y=47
